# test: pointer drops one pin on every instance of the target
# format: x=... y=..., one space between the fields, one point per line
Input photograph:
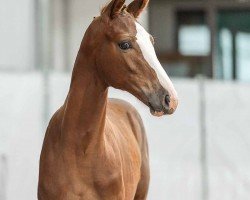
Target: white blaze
x=148 y=51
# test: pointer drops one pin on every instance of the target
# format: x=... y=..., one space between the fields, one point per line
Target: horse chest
x=116 y=170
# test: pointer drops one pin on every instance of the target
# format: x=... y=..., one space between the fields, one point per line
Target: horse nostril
x=167 y=99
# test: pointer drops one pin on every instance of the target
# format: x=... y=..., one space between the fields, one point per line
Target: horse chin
x=162 y=112
x=156 y=113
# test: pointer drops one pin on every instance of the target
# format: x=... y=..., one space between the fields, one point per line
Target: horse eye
x=125 y=45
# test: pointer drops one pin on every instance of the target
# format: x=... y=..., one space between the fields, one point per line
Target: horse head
x=125 y=57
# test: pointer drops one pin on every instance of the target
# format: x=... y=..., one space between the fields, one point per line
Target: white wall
x=21 y=132
x=173 y=140
x=228 y=117
x=16 y=34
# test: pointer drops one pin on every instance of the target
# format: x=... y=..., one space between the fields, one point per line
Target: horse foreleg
x=143 y=185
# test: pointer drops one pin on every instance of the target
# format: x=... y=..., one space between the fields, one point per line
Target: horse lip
x=160 y=112
x=156 y=112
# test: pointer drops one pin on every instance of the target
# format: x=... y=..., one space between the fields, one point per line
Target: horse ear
x=113 y=8
x=136 y=7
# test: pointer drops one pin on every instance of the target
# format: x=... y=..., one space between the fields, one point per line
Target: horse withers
x=95 y=148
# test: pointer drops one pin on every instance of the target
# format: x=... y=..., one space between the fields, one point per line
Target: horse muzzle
x=162 y=103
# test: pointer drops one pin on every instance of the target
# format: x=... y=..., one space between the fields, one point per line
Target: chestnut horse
x=95 y=148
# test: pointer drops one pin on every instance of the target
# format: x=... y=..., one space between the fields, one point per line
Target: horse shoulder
x=124 y=111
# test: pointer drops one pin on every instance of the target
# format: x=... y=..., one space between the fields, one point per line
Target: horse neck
x=85 y=106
